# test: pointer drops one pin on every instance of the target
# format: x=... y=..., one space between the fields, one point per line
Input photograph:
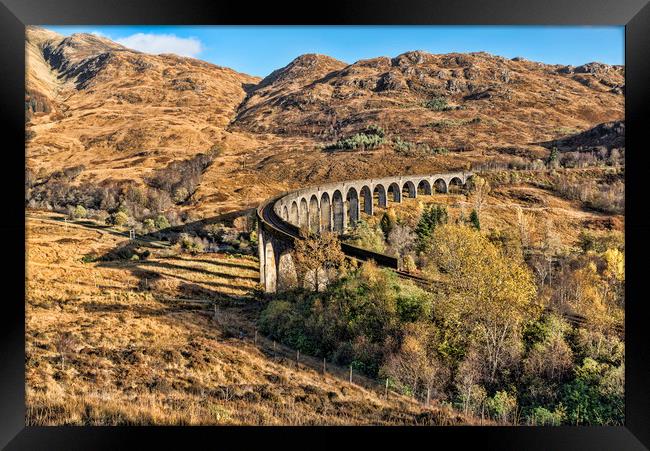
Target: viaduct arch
x=335 y=207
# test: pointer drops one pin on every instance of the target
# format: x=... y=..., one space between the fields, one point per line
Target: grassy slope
x=138 y=359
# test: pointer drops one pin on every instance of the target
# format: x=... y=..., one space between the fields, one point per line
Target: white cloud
x=162 y=43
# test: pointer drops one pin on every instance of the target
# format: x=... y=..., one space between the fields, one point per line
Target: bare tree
x=401 y=240
x=468 y=382
x=64 y=346
x=480 y=189
x=316 y=256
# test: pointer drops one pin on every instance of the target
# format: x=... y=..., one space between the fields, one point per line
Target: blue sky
x=260 y=50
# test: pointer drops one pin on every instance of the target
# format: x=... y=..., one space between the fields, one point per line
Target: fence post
x=350 y=373
x=386 y=391
x=428 y=395
x=215 y=311
x=255 y=339
x=297 y=356
x=324 y=370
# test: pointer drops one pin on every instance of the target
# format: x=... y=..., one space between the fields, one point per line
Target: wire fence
x=274 y=349
x=381 y=387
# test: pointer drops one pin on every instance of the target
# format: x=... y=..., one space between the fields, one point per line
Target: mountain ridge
x=122 y=113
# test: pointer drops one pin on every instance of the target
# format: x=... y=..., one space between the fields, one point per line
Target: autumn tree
x=588 y=298
x=368 y=237
x=318 y=258
x=614 y=275
x=491 y=295
x=479 y=189
x=522 y=223
x=416 y=364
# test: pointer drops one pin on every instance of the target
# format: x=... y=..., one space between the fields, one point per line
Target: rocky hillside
x=610 y=135
x=93 y=102
x=507 y=101
x=122 y=114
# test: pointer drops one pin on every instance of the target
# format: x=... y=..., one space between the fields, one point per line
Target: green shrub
x=358 y=141
x=78 y=212
x=413 y=303
x=161 y=222
x=402 y=146
x=438 y=104
x=502 y=406
x=474 y=220
x=148 y=225
x=118 y=219
x=595 y=396
x=89 y=258
x=371 y=238
x=371 y=138
x=541 y=416
x=191 y=244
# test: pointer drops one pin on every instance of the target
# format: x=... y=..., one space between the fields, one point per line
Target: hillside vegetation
x=107 y=345
x=181 y=151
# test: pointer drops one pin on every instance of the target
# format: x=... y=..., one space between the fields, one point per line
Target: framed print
x=386 y=215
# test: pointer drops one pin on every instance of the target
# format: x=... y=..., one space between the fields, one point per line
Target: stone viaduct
x=334 y=207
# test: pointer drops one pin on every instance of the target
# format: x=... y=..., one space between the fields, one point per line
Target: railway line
x=267 y=215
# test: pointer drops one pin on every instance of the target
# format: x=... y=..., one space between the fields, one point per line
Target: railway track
x=267 y=214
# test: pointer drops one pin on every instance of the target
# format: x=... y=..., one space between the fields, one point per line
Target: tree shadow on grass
x=172 y=266
x=220 y=262
x=135 y=258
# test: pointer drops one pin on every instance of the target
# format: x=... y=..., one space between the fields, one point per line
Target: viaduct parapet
x=334 y=207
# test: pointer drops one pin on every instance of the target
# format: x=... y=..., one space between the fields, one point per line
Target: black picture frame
x=15 y=14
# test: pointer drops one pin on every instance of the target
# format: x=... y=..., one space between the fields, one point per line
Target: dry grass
x=136 y=358
x=541 y=208
x=142 y=111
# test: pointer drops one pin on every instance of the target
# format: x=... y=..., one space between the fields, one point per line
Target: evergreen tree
x=474 y=221
x=431 y=217
x=388 y=221
x=553 y=158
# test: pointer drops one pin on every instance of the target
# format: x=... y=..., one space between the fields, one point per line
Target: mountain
x=121 y=114
x=510 y=101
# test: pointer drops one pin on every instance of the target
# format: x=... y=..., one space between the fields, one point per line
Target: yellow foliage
x=615 y=260
x=492 y=284
x=490 y=294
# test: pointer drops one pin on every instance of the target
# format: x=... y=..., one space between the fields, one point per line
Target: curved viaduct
x=334 y=207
